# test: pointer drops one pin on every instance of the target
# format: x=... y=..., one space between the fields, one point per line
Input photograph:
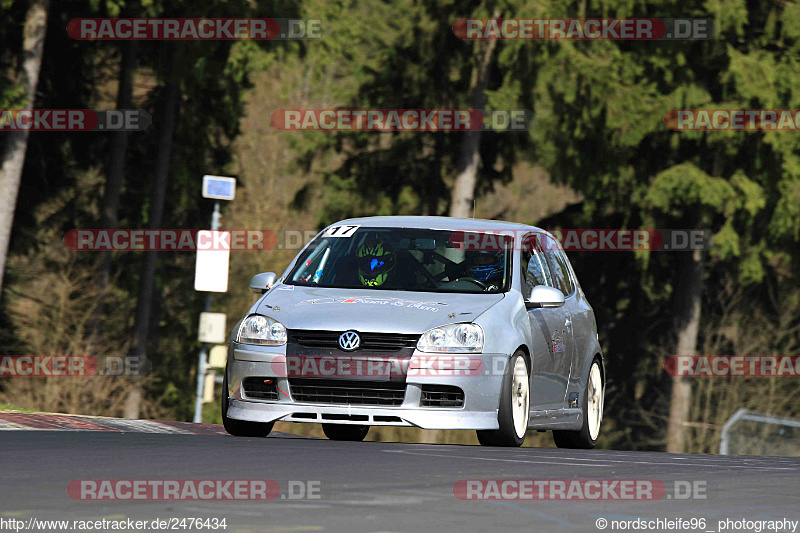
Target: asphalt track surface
x=372 y=486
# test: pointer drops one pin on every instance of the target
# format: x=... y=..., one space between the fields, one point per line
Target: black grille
x=442 y=396
x=383 y=342
x=344 y=392
x=260 y=388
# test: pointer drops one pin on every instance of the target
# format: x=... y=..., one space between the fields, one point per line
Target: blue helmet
x=484 y=266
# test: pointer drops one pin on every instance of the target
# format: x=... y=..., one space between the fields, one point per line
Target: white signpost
x=211 y=275
x=208 y=387
x=218 y=356
x=211 y=267
x=219 y=187
x=212 y=328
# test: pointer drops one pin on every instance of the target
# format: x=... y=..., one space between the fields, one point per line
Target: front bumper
x=481 y=396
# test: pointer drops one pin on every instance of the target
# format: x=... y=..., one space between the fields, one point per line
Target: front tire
x=514 y=406
x=240 y=428
x=345 y=432
x=586 y=437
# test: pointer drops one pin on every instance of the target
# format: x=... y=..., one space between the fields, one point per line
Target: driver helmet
x=485 y=266
x=375 y=260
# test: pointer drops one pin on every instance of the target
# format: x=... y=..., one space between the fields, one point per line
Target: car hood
x=370 y=310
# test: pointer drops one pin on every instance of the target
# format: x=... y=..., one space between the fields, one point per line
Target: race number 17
x=341 y=231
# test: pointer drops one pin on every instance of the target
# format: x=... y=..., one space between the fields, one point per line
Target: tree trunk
x=116 y=167
x=16 y=143
x=688 y=299
x=463 y=195
x=144 y=303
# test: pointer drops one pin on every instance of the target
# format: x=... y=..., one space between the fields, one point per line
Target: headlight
x=258 y=329
x=458 y=338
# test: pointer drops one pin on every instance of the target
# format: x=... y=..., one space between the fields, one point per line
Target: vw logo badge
x=349 y=341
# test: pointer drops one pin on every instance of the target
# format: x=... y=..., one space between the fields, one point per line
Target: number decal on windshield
x=340 y=231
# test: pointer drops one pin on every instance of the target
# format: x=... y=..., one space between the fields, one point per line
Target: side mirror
x=545 y=297
x=261 y=283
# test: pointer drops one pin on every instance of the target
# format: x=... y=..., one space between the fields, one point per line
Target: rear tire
x=345 y=432
x=586 y=437
x=240 y=428
x=514 y=406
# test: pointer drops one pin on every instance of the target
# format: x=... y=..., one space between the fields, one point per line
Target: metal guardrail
x=745 y=414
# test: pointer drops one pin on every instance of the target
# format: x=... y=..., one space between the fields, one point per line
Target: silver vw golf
x=432 y=322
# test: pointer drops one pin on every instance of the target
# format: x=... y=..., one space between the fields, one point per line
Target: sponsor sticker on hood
x=395 y=302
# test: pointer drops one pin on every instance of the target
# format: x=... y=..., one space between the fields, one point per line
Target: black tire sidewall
x=223 y=402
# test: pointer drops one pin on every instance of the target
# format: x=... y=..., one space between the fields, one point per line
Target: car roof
x=431 y=222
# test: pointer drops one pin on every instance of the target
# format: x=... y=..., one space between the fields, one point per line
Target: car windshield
x=406 y=259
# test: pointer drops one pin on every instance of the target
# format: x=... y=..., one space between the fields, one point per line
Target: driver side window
x=558 y=266
x=535 y=270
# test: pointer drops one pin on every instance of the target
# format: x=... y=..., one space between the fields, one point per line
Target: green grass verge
x=9 y=407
